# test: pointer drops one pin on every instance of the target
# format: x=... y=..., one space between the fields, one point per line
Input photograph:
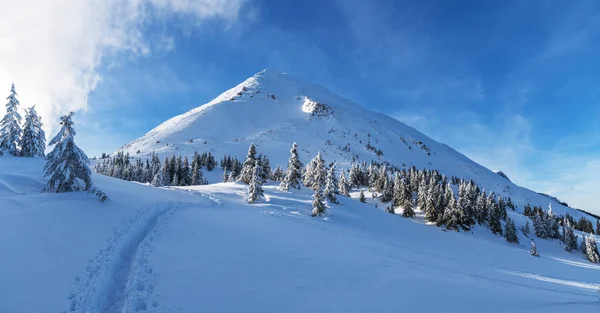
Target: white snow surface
x=274 y=109
x=203 y=249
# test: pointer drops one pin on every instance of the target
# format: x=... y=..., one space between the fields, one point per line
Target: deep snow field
x=203 y=249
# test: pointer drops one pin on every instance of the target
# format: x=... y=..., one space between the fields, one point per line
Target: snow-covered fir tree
x=431 y=211
x=354 y=177
x=526 y=229
x=67 y=166
x=510 y=232
x=331 y=188
x=278 y=174
x=225 y=177
x=453 y=215
x=197 y=175
x=382 y=180
x=533 y=250
x=159 y=179
x=569 y=238
x=293 y=174
x=318 y=205
x=591 y=249
x=343 y=187
x=494 y=218
x=319 y=173
x=10 y=125
x=388 y=190
x=33 y=140
x=361 y=196
x=249 y=165
x=408 y=210
x=481 y=209
x=422 y=195
x=255 y=190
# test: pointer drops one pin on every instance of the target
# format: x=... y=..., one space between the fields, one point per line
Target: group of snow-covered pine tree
x=67 y=166
x=454 y=204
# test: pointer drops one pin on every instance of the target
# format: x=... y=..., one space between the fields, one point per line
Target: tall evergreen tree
x=278 y=174
x=569 y=238
x=382 y=179
x=67 y=165
x=225 y=177
x=33 y=140
x=343 y=185
x=453 y=215
x=431 y=212
x=591 y=249
x=293 y=174
x=255 y=190
x=494 y=218
x=319 y=172
x=354 y=177
x=388 y=190
x=525 y=229
x=10 y=125
x=197 y=175
x=481 y=209
x=249 y=164
x=331 y=188
x=318 y=205
x=511 y=231
x=422 y=195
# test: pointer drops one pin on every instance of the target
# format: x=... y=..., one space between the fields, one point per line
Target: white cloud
x=53 y=49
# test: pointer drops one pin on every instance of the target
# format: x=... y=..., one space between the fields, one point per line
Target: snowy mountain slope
x=202 y=248
x=274 y=109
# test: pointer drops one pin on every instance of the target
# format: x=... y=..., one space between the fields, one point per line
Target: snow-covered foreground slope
x=202 y=249
x=274 y=109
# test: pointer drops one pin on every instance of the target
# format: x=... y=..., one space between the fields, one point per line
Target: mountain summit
x=273 y=109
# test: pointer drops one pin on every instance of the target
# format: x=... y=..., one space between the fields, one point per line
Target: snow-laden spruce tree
x=319 y=172
x=225 y=177
x=158 y=180
x=278 y=174
x=10 y=125
x=255 y=190
x=66 y=164
x=533 y=250
x=494 y=216
x=569 y=238
x=249 y=165
x=293 y=174
x=361 y=196
x=318 y=205
x=331 y=188
x=33 y=140
x=431 y=212
x=481 y=209
x=525 y=229
x=591 y=249
x=511 y=231
x=343 y=186
x=197 y=175
x=388 y=190
x=422 y=195
x=453 y=215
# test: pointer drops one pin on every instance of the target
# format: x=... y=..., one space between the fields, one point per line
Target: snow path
x=119 y=278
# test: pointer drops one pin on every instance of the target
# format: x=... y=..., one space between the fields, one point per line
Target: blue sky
x=512 y=84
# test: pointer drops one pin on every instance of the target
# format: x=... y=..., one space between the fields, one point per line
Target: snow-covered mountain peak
x=274 y=109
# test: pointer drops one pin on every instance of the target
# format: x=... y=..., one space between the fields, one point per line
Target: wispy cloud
x=54 y=49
